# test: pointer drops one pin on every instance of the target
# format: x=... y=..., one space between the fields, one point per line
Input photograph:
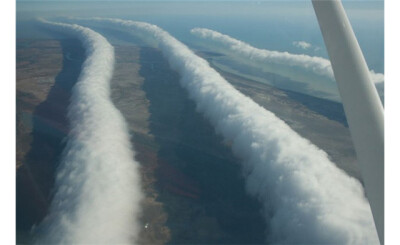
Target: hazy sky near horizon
x=189 y=1
x=272 y=25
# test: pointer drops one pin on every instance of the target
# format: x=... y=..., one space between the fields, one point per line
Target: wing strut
x=363 y=108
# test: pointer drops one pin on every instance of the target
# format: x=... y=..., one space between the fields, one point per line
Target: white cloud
x=306 y=198
x=97 y=184
x=316 y=65
x=302 y=44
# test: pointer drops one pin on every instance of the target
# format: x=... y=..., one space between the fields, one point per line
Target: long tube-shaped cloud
x=306 y=198
x=97 y=185
x=317 y=65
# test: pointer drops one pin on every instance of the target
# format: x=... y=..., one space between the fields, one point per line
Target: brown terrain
x=46 y=72
x=130 y=99
x=38 y=63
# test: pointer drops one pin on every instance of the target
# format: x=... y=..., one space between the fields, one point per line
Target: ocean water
x=269 y=25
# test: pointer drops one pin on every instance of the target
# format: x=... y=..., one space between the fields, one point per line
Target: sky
x=150 y=0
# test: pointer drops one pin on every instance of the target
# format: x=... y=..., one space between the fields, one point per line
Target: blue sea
x=271 y=25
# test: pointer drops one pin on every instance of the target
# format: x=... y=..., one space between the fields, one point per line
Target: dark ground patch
x=35 y=177
x=198 y=179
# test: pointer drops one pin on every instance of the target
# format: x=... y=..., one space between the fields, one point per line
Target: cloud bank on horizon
x=316 y=65
x=302 y=44
x=97 y=188
x=305 y=197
